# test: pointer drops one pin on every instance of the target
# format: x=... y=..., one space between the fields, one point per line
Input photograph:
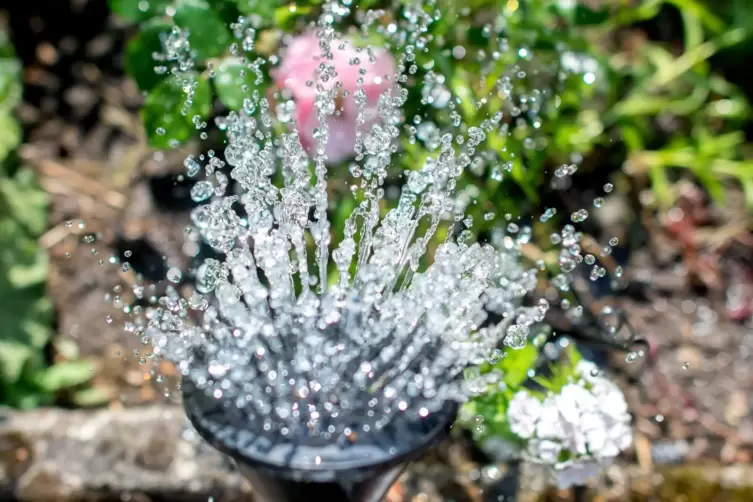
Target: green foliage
x=137 y=12
x=139 y=60
x=517 y=368
x=706 y=112
x=25 y=312
x=10 y=96
x=159 y=112
x=223 y=73
x=234 y=82
x=513 y=366
x=209 y=36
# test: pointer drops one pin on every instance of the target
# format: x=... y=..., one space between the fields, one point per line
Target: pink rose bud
x=300 y=64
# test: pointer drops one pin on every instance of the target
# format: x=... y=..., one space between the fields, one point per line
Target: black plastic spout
x=280 y=470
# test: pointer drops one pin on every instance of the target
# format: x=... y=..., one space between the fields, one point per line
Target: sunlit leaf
x=137 y=11
x=208 y=34
x=140 y=62
x=163 y=114
x=516 y=364
x=90 y=397
x=13 y=356
x=585 y=16
x=234 y=82
x=63 y=375
x=10 y=134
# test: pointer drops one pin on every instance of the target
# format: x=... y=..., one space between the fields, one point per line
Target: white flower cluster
x=575 y=432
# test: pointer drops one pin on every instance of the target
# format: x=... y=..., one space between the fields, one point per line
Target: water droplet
x=608 y=187
x=201 y=191
x=174 y=275
x=579 y=216
x=548 y=214
x=565 y=170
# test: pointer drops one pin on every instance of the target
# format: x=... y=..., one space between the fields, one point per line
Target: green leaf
x=163 y=114
x=573 y=355
x=25 y=315
x=90 y=397
x=24 y=201
x=25 y=396
x=13 y=357
x=63 y=376
x=22 y=275
x=137 y=11
x=208 y=34
x=264 y=9
x=139 y=58
x=234 y=82
x=748 y=191
x=516 y=364
x=6 y=48
x=10 y=134
x=660 y=185
x=285 y=16
x=10 y=84
x=584 y=16
x=10 y=93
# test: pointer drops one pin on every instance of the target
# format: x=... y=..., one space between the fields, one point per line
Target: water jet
x=323 y=368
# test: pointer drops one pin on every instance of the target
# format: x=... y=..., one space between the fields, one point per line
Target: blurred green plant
x=26 y=380
x=221 y=48
x=518 y=370
x=675 y=111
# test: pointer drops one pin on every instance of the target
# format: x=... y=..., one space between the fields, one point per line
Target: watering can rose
x=299 y=74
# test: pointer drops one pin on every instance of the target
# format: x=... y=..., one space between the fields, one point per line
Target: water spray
x=323 y=376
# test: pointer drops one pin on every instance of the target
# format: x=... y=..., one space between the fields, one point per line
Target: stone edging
x=56 y=455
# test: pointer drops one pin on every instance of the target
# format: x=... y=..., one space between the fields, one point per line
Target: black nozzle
x=295 y=470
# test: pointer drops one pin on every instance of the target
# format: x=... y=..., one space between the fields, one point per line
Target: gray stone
x=149 y=454
x=58 y=455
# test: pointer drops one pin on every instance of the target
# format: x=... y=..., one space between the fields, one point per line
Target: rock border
x=150 y=454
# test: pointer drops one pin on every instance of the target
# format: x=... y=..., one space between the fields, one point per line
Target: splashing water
x=305 y=348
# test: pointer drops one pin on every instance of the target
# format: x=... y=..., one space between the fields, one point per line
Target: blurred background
x=92 y=203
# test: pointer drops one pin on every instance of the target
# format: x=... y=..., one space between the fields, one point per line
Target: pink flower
x=300 y=64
